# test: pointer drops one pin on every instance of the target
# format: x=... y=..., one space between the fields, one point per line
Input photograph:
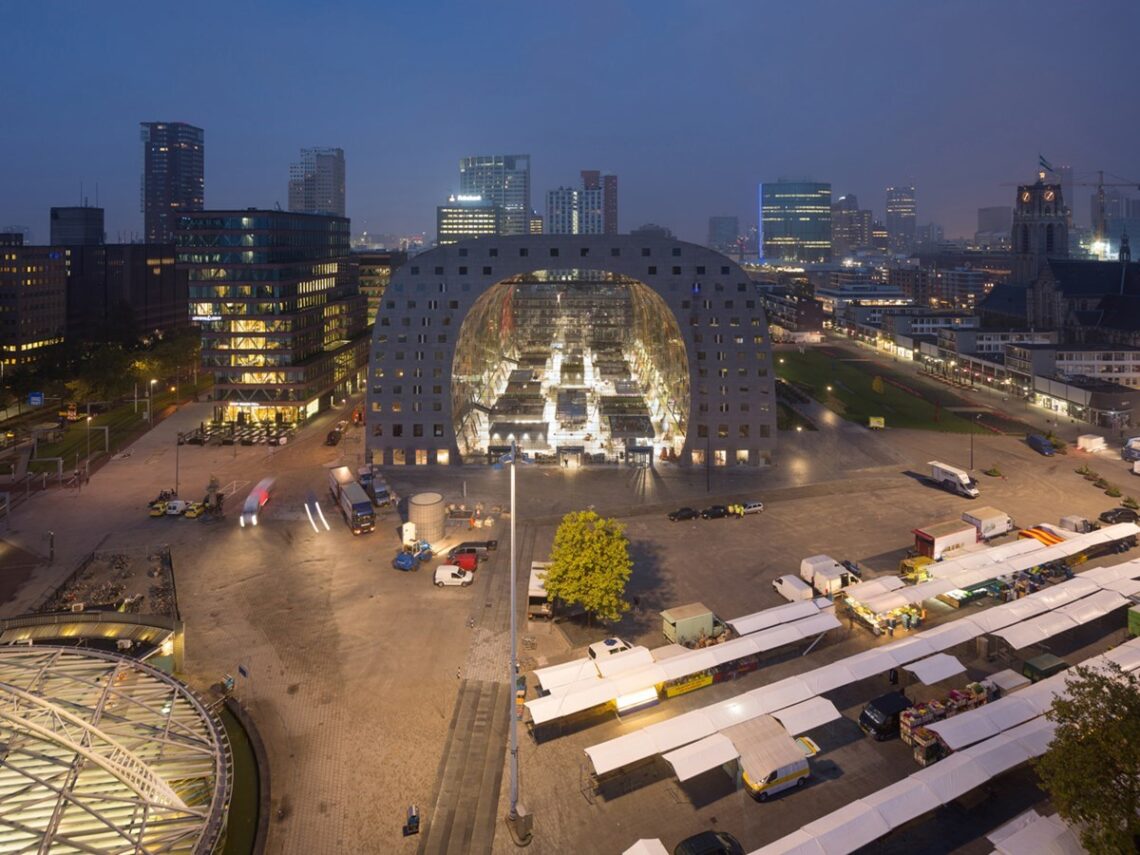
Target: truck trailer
x=943 y=539
x=354 y=503
x=690 y=625
x=990 y=522
x=953 y=479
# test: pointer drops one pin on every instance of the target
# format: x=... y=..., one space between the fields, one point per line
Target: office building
x=316 y=182
x=723 y=234
x=535 y=223
x=123 y=292
x=587 y=210
x=928 y=236
x=502 y=180
x=902 y=214
x=605 y=204
x=283 y=322
x=374 y=271
x=33 y=304
x=173 y=179
x=466 y=217
x=76 y=226
x=795 y=221
x=850 y=227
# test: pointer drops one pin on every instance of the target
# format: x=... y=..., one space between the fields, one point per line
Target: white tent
x=934 y=668
x=647 y=847
x=772 y=617
x=848 y=828
x=710 y=752
x=808 y=715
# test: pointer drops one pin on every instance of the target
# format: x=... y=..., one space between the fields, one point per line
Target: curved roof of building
x=101 y=753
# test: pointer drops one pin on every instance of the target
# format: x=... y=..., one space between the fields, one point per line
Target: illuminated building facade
x=503 y=180
x=282 y=319
x=374 y=271
x=671 y=337
x=174 y=177
x=902 y=218
x=466 y=217
x=316 y=183
x=1040 y=229
x=795 y=221
x=33 y=303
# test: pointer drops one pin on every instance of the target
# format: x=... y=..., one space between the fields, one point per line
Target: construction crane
x=1100 y=224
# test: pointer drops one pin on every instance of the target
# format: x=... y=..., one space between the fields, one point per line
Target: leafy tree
x=1092 y=768
x=590 y=565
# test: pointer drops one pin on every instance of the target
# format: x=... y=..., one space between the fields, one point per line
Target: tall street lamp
x=150 y=402
x=88 y=466
x=177 y=447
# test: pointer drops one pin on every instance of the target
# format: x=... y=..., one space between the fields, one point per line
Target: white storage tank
x=428 y=512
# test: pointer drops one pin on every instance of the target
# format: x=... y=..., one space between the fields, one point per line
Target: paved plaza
x=374 y=690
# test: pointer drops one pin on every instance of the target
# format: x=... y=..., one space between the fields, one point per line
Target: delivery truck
x=691 y=625
x=944 y=539
x=990 y=522
x=354 y=504
x=825 y=574
x=953 y=479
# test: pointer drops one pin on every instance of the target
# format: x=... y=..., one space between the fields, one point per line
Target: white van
x=257 y=498
x=792 y=589
x=753 y=507
x=793 y=774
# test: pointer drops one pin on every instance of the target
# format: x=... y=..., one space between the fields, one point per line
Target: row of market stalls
x=989 y=740
x=637 y=677
x=887 y=603
x=1086 y=597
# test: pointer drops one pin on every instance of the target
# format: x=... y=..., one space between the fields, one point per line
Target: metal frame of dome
x=102 y=753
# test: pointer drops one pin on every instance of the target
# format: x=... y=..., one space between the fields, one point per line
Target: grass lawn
x=853 y=396
x=789 y=419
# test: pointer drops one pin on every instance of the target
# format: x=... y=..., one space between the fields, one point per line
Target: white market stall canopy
x=934 y=668
x=593 y=691
x=778 y=615
x=647 y=847
x=668 y=735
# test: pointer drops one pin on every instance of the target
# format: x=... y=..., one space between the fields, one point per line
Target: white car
x=449 y=574
x=753 y=507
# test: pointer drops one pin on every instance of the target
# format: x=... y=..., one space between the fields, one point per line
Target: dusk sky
x=690 y=103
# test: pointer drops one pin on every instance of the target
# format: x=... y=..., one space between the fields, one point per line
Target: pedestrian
x=471 y=524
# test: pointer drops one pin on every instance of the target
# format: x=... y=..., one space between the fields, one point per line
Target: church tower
x=1040 y=229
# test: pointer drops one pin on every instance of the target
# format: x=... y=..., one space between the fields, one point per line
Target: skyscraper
x=723 y=232
x=902 y=214
x=76 y=226
x=850 y=226
x=173 y=179
x=316 y=183
x=606 y=202
x=795 y=221
x=503 y=180
x=563 y=211
x=467 y=217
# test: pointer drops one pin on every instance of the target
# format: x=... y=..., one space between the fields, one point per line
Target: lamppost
x=88 y=465
x=150 y=402
x=177 y=447
x=977 y=420
x=519 y=827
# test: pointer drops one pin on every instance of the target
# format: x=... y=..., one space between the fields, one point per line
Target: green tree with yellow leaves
x=590 y=565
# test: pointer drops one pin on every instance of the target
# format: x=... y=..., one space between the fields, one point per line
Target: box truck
x=825 y=574
x=354 y=503
x=990 y=522
x=953 y=479
x=942 y=539
x=690 y=625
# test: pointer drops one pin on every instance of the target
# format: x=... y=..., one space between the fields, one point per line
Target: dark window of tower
x=1025 y=238
x=1049 y=238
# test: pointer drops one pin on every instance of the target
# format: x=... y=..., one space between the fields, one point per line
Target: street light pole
x=177 y=447
x=519 y=828
x=150 y=402
x=88 y=466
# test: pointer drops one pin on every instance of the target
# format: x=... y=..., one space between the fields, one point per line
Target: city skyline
x=691 y=140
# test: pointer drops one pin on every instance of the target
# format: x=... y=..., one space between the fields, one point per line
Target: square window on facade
x=764 y=431
x=376 y=407
x=524 y=252
x=722 y=431
x=463 y=252
x=415 y=270
x=378 y=429
x=462 y=271
x=676 y=251
x=724 y=271
x=486 y=271
x=453 y=304
x=700 y=270
x=703 y=409
x=554 y=252
x=417 y=430
x=437 y=430
x=703 y=431
x=493 y=252
x=615 y=252
x=652 y=271
x=645 y=252
x=397 y=430
x=743 y=431
x=437 y=407
x=584 y=251
x=439 y=271
x=676 y=271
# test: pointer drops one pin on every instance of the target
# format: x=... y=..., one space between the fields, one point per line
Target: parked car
x=1040 y=444
x=714 y=512
x=468 y=561
x=1119 y=515
x=480 y=552
x=753 y=507
x=449 y=574
x=333 y=437
x=709 y=843
x=684 y=514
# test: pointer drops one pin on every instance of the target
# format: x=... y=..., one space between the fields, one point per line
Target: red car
x=465 y=560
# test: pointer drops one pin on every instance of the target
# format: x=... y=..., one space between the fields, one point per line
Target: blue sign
x=35 y=399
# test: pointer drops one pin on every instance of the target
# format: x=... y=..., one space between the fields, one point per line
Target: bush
x=1129 y=502
x=1083 y=469
x=1113 y=491
x=1101 y=483
x=993 y=472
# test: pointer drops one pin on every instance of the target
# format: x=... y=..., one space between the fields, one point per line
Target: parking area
x=355 y=668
